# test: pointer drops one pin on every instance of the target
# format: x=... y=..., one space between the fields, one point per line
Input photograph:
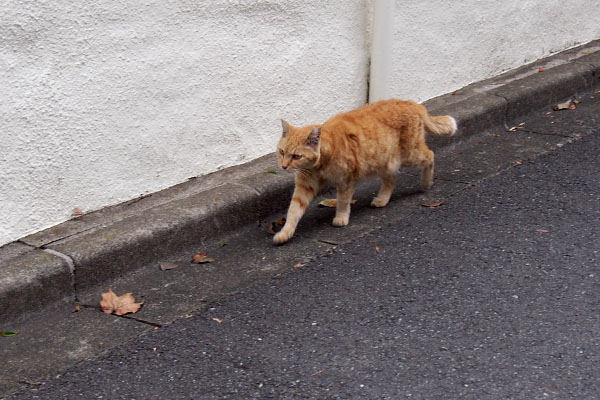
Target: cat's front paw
x=341 y=221
x=282 y=237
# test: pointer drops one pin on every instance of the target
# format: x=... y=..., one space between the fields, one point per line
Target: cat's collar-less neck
x=305 y=171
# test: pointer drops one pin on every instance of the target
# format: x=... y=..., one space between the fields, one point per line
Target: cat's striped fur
x=374 y=140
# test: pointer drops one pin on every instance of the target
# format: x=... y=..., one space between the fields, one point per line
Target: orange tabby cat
x=376 y=139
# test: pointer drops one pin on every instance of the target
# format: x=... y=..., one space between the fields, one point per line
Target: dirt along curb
x=57 y=264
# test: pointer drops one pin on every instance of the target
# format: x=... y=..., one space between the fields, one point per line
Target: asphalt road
x=493 y=295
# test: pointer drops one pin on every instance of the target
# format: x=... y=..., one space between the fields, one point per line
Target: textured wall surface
x=443 y=45
x=104 y=101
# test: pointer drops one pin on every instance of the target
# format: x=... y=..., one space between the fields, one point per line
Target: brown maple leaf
x=119 y=305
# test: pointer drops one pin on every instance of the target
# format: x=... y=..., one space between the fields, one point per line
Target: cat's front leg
x=306 y=188
x=342 y=207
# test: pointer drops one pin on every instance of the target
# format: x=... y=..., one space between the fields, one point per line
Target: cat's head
x=299 y=146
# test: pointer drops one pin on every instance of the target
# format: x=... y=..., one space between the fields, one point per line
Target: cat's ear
x=314 y=138
x=286 y=128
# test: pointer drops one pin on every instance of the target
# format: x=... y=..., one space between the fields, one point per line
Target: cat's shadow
x=317 y=219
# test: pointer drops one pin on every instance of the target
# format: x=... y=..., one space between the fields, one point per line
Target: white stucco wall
x=104 y=101
x=443 y=45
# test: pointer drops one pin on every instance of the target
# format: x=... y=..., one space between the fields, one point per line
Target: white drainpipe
x=381 y=50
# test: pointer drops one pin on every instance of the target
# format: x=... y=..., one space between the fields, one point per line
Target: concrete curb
x=80 y=254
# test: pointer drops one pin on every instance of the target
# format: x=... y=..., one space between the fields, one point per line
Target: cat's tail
x=443 y=125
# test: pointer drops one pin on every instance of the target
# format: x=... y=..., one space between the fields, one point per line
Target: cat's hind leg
x=342 y=207
x=428 y=164
x=423 y=158
x=388 y=182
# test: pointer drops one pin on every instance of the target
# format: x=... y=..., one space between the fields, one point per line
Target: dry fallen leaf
x=521 y=126
x=165 y=266
x=332 y=203
x=276 y=226
x=377 y=249
x=218 y=320
x=588 y=51
x=540 y=69
x=77 y=212
x=567 y=105
x=202 y=258
x=77 y=309
x=436 y=204
x=328 y=203
x=119 y=305
x=576 y=101
x=32 y=383
x=272 y=228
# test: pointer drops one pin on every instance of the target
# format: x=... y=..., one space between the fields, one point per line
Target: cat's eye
x=281 y=151
x=297 y=156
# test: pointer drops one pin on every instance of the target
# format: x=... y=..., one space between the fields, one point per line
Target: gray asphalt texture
x=493 y=295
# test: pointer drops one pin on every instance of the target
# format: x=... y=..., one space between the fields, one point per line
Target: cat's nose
x=284 y=166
